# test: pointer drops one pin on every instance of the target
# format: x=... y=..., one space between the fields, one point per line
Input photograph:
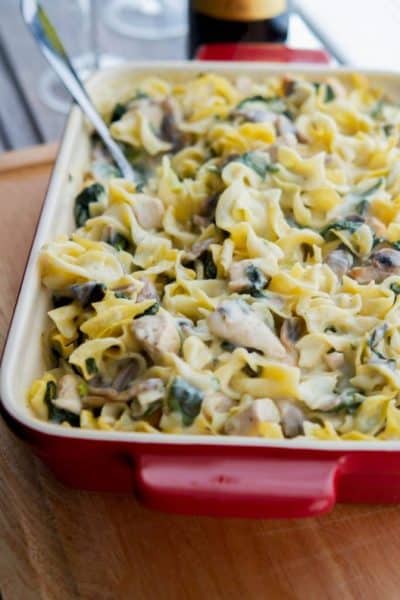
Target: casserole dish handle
x=261 y=487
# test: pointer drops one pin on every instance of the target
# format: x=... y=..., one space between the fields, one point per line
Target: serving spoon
x=51 y=46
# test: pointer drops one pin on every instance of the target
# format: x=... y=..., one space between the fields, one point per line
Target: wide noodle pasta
x=248 y=283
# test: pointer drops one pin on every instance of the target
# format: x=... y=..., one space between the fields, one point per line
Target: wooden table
x=56 y=543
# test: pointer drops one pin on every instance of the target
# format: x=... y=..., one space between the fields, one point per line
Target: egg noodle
x=248 y=283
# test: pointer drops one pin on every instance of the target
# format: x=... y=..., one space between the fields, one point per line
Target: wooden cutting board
x=57 y=543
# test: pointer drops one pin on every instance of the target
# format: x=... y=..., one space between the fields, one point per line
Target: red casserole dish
x=220 y=476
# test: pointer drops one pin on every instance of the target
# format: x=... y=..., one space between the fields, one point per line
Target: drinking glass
x=77 y=24
x=147 y=19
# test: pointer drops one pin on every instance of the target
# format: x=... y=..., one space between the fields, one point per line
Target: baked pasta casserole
x=248 y=282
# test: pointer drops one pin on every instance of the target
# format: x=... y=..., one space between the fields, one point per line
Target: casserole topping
x=249 y=283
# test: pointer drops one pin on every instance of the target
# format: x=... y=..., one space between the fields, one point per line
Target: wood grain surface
x=57 y=543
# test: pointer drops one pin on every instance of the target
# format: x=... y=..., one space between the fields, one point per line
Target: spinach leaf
x=362 y=207
x=186 y=399
x=118 y=241
x=210 y=270
x=376 y=240
x=122 y=295
x=120 y=109
x=91 y=366
x=152 y=310
x=118 y=112
x=365 y=195
x=274 y=103
x=58 y=415
x=375 y=338
x=376 y=111
x=345 y=225
x=388 y=129
x=395 y=287
x=258 y=162
x=61 y=299
x=257 y=281
x=50 y=392
x=350 y=400
x=228 y=346
x=377 y=335
x=84 y=199
x=251 y=372
x=103 y=170
x=329 y=92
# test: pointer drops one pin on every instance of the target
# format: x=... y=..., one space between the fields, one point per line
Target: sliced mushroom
x=382 y=264
x=235 y=322
x=98 y=396
x=149 y=211
x=340 y=261
x=387 y=259
x=288 y=85
x=68 y=397
x=158 y=334
x=126 y=375
x=198 y=248
x=207 y=212
x=247 y=420
x=292 y=418
x=291 y=331
x=86 y=293
x=169 y=125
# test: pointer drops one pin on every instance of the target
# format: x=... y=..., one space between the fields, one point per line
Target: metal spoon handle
x=51 y=46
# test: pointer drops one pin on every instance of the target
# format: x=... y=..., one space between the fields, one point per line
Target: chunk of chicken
x=68 y=397
x=247 y=420
x=149 y=211
x=335 y=360
x=216 y=402
x=157 y=334
x=148 y=292
x=234 y=322
x=376 y=225
x=285 y=126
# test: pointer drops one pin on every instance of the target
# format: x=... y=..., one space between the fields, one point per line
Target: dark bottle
x=213 y=21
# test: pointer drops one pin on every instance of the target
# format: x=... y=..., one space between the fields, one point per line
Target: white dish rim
x=41 y=427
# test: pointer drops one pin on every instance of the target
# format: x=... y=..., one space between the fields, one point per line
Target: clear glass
x=147 y=19
x=76 y=22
